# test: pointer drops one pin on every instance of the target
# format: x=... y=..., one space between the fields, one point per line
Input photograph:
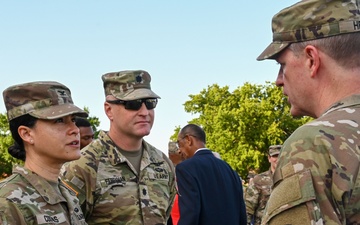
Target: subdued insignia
x=138 y=79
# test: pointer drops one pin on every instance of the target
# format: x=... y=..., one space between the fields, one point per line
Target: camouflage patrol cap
x=42 y=100
x=172 y=147
x=312 y=19
x=274 y=149
x=128 y=85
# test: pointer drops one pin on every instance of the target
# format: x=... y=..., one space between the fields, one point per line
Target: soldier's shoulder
x=264 y=176
x=90 y=154
x=5 y=210
x=14 y=182
x=267 y=173
x=97 y=147
x=155 y=153
x=150 y=147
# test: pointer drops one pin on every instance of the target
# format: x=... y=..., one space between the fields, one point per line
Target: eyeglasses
x=150 y=103
x=178 y=141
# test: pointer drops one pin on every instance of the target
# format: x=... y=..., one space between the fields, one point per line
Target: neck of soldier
x=125 y=142
x=272 y=168
x=42 y=169
x=334 y=83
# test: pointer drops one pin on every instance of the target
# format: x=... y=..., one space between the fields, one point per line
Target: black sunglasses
x=150 y=103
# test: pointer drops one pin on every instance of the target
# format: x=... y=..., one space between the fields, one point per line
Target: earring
x=31 y=141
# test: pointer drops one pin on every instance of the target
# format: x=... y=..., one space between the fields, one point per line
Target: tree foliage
x=242 y=124
x=6 y=160
x=94 y=121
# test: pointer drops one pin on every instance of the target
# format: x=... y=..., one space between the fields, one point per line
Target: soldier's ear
x=26 y=134
x=108 y=111
x=312 y=60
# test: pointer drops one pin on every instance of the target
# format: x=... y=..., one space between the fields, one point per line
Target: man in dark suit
x=210 y=192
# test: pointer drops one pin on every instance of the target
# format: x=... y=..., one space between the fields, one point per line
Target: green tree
x=94 y=121
x=240 y=125
x=6 y=160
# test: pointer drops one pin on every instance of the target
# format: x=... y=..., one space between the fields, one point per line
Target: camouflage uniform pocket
x=289 y=200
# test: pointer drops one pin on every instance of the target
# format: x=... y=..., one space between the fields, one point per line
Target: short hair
x=194 y=130
x=82 y=122
x=342 y=48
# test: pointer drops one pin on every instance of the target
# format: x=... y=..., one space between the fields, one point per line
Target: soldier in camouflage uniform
x=258 y=191
x=122 y=179
x=317 y=179
x=41 y=117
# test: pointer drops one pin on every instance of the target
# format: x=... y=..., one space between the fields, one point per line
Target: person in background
x=258 y=191
x=121 y=178
x=250 y=176
x=210 y=192
x=175 y=158
x=174 y=154
x=41 y=118
x=86 y=131
x=317 y=178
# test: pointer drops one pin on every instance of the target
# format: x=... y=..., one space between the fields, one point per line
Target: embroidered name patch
x=54 y=219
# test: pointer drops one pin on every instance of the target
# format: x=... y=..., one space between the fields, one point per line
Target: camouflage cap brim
x=272 y=50
x=128 y=85
x=310 y=20
x=41 y=99
x=135 y=94
x=274 y=150
x=275 y=153
x=58 y=111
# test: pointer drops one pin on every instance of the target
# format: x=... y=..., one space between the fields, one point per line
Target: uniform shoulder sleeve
x=303 y=167
x=10 y=213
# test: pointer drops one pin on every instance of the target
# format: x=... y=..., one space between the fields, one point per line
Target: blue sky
x=185 y=46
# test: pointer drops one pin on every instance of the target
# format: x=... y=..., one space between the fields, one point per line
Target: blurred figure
x=258 y=191
x=174 y=154
x=41 y=116
x=121 y=178
x=317 y=46
x=175 y=158
x=86 y=131
x=210 y=192
x=250 y=177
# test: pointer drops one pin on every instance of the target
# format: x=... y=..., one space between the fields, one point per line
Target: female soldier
x=41 y=118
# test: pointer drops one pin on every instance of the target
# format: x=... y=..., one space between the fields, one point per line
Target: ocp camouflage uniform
x=317 y=179
x=27 y=198
x=113 y=192
x=256 y=195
